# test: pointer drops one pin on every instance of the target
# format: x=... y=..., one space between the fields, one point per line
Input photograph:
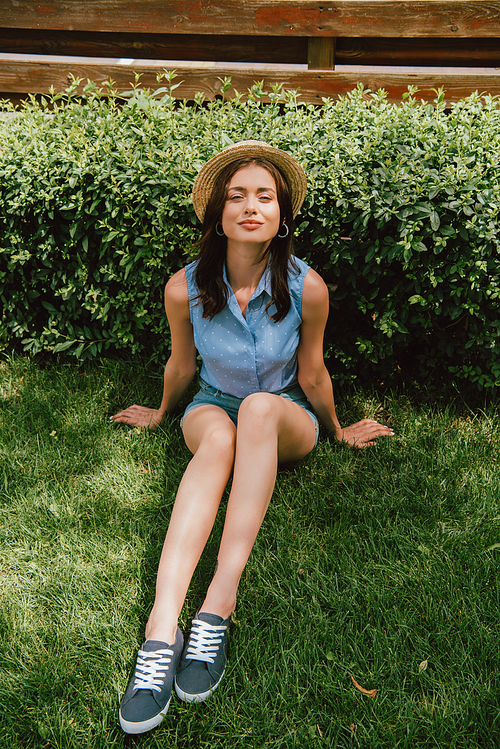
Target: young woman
x=256 y=315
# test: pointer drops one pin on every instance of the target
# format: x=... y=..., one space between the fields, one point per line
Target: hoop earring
x=282 y=236
x=221 y=232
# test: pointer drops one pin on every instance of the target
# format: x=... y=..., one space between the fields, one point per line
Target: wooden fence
x=321 y=48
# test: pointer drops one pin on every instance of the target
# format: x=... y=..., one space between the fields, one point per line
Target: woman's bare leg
x=210 y=435
x=270 y=429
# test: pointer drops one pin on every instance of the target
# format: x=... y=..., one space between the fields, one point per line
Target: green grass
x=382 y=565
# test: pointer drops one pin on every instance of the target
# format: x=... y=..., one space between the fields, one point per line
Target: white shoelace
x=204 y=641
x=151 y=669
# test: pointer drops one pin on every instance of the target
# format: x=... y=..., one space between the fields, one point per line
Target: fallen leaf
x=423 y=666
x=368 y=692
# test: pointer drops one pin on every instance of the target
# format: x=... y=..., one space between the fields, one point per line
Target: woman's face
x=251 y=212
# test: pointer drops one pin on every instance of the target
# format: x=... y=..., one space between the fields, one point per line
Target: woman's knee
x=211 y=429
x=220 y=440
x=259 y=409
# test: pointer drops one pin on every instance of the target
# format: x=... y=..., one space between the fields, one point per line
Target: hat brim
x=288 y=166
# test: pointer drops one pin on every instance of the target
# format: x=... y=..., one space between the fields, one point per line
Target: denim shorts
x=208 y=395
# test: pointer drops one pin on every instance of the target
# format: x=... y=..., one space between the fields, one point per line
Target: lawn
x=376 y=569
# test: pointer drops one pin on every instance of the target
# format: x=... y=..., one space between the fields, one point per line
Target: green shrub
x=400 y=219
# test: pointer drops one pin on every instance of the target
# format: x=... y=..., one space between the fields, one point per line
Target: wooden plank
x=321 y=53
x=379 y=18
x=294 y=50
x=37 y=78
x=155 y=46
x=419 y=52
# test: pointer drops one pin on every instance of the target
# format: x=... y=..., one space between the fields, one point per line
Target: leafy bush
x=400 y=219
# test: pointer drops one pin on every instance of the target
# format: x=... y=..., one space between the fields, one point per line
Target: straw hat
x=291 y=170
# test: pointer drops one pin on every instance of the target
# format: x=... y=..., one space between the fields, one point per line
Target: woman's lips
x=250 y=224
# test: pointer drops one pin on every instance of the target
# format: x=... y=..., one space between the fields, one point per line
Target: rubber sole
x=201 y=697
x=134 y=728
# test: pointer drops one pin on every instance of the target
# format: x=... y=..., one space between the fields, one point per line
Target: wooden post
x=321 y=53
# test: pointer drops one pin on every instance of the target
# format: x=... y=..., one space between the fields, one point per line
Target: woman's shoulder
x=176 y=289
x=315 y=292
x=314 y=279
x=304 y=283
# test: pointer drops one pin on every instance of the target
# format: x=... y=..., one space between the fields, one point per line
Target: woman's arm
x=313 y=375
x=181 y=366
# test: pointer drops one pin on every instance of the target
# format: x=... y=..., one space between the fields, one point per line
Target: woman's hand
x=363 y=434
x=139 y=416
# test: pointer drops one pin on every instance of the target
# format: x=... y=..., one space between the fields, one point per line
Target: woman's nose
x=250 y=204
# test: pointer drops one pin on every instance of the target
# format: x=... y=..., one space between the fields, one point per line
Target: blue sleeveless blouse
x=244 y=355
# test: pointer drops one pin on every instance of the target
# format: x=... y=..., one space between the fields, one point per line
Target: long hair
x=213 y=293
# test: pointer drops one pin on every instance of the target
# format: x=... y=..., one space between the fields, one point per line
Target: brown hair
x=213 y=293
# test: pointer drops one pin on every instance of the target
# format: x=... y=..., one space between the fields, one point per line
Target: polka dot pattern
x=243 y=355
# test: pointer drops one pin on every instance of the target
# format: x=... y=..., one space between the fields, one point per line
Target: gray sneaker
x=148 y=694
x=204 y=659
